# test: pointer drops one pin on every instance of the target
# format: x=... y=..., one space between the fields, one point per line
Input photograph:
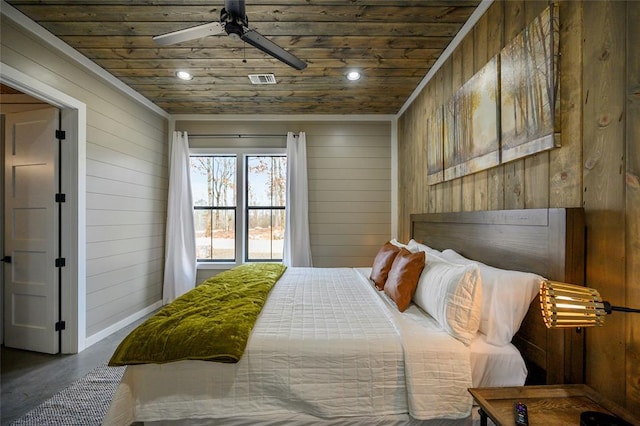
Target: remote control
x=520 y=414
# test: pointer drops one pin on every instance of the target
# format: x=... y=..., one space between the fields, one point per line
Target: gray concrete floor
x=28 y=378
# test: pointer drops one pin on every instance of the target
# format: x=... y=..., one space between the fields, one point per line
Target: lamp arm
x=608 y=308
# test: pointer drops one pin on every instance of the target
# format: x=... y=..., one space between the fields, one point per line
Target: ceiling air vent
x=262 y=78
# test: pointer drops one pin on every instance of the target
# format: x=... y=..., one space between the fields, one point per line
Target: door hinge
x=60 y=262
x=6 y=259
x=60 y=325
x=61 y=135
x=61 y=198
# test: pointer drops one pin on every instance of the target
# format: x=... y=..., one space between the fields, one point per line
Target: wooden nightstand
x=546 y=405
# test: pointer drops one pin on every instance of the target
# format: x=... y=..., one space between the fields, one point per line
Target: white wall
x=126 y=180
x=349 y=166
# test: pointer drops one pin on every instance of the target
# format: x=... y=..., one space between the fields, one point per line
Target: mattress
x=496 y=366
x=327 y=345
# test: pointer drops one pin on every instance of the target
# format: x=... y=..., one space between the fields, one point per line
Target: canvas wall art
x=475 y=144
x=435 y=146
x=528 y=77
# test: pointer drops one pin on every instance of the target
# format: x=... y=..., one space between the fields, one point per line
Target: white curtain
x=180 y=249
x=297 y=248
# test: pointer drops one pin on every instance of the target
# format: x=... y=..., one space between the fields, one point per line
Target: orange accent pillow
x=382 y=264
x=403 y=277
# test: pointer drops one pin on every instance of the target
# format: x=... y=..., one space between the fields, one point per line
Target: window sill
x=216 y=265
x=226 y=265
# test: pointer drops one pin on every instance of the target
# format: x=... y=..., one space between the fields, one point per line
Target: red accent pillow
x=403 y=277
x=382 y=264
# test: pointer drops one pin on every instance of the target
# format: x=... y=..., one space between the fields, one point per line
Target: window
x=213 y=183
x=266 y=193
x=239 y=206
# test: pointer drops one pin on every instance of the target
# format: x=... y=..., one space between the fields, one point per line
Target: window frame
x=241 y=201
x=248 y=208
x=220 y=208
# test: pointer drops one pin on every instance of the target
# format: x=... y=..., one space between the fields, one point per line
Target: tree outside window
x=214 y=181
x=266 y=201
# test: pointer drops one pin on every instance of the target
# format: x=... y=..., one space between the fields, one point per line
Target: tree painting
x=450 y=151
x=475 y=145
x=528 y=88
x=434 y=144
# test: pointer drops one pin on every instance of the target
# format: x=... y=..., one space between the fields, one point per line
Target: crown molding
x=41 y=33
x=283 y=117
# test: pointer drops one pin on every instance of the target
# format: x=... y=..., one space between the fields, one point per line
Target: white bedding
x=437 y=366
x=349 y=354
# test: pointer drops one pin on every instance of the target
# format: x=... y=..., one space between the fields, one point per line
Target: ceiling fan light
x=183 y=75
x=353 y=76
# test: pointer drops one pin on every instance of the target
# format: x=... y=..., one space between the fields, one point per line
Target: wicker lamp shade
x=567 y=305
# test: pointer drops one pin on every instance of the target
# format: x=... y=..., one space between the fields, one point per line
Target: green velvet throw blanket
x=212 y=322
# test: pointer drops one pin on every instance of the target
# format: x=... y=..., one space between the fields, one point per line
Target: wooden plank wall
x=604 y=198
x=599 y=109
x=349 y=172
x=632 y=232
x=126 y=182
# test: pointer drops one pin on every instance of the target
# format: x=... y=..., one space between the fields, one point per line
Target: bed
x=330 y=348
x=548 y=242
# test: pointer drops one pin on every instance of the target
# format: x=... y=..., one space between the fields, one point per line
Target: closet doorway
x=70 y=315
x=33 y=203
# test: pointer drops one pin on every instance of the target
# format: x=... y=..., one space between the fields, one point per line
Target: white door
x=31 y=293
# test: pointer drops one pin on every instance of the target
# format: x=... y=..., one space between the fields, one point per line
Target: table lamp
x=567 y=305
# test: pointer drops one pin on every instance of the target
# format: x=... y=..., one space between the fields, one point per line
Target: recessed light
x=353 y=75
x=183 y=75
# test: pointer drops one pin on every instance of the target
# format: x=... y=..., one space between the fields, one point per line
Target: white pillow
x=451 y=294
x=506 y=298
x=416 y=246
x=411 y=248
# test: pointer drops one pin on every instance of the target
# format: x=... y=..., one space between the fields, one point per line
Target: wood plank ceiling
x=392 y=43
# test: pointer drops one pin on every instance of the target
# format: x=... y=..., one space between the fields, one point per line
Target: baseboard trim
x=102 y=334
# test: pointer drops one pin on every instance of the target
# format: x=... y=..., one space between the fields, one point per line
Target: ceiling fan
x=233 y=21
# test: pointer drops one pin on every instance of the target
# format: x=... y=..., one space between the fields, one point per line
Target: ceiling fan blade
x=267 y=46
x=236 y=8
x=188 y=34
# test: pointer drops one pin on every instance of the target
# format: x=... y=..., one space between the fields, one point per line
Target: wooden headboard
x=548 y=242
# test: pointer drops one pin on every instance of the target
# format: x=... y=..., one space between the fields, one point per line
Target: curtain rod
x=235 y=135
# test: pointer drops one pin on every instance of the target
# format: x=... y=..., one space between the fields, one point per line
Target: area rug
x=85 y=402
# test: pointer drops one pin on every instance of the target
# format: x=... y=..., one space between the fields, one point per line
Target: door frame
x=73 y=115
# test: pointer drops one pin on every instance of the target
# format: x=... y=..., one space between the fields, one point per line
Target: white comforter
x=327 y=344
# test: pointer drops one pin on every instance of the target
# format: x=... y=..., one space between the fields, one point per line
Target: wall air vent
x=262 y=78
